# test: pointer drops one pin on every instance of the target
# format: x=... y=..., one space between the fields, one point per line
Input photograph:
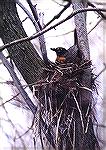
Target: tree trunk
x=23 y=54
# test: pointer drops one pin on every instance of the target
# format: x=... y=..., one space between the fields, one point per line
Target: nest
x=65 y=105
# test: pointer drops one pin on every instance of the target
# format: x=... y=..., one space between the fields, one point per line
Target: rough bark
x=23 y=54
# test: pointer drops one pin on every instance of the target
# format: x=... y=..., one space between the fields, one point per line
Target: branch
x=9 y=99
x=28 y=101
x=57 y=3
x=99 y=12
x=38 y=29
x=104 y=69
x=34 y=13
x=97 y=23
x=58 y=15
x=27 y=12
x=52 y=27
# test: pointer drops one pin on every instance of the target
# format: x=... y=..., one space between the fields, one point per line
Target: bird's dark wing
x=72 y=54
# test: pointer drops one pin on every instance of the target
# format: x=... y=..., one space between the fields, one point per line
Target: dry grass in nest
x=67 y=115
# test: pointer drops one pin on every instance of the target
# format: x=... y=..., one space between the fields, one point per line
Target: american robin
x=66 y=56
x=60 y=51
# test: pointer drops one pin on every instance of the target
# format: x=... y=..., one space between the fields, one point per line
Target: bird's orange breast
x=60 y=59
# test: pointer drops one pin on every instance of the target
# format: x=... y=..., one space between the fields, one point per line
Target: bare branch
x=104 y=69
x=99 y=12
x=27 y=12
x=27 y=130
x=99 y=3
x=95 y=25
x=58 y=15
x=34 y=13
x=10 y=99
x=37 y=27
x=28 y=101
x=81 y=29
x=78 y=107
x=46 y=30
x=57 y=3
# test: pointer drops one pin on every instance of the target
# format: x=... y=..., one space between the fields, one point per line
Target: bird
x=60 y=52
x=71 y=55
x=64 y=55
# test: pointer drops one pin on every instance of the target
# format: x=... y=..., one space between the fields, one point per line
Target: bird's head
x=59 y=50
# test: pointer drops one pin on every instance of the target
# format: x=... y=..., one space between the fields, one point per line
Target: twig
x=99 y=3
x=58 y=15
x=100 y=125
x=74 y=136
x=95 y=25
x=28 y=101
x=57 y=3
x=10 y=99
x=27 y=12
x=81 y=117
x=99 y=12
x=37 y=27
x=34 y=13
x=24 y=19
x=100 y=72
x=46 y=30
x=57 y=128
x=14 y=127
x=62 y=34
x=28 y=129
x=87 y=126
x=70 y=120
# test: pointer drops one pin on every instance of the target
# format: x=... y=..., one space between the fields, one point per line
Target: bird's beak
x=53 y=49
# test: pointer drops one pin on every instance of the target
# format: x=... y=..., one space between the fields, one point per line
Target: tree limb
x=52 y=27
x=28 y=101
x=58 y=15
x=37 y=26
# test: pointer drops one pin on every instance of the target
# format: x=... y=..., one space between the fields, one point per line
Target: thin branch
x=100 y=72
x=58 y=15
x=28 y=101
x=10 y=99
x=100 y=125
x=95 y=25
x=38 y=29
x=81 y=117
x=52 y=27
x=28 y=129
x=62 y=34
x=27 y=12
x=57 y=3
x=99 y=3
x=13 y=126
x=74 y=136
x=57 y=127
x=34 y=13
x=24 y=19
x=99 y=12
